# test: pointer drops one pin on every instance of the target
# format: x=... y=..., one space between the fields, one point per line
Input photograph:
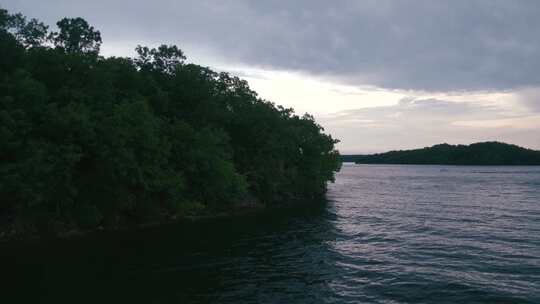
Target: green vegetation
x=486 y=153
x=88 y=141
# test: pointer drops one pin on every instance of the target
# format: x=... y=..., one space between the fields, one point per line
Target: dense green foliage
x=486 y=153
x=87 y=140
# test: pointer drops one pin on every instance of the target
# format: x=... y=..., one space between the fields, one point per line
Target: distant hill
x=348 y=158
x=485 y=153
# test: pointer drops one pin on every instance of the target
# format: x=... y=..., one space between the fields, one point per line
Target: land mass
x=93 y=142
x=484 y=153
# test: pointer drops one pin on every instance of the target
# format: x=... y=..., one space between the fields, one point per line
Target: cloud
x=419 y=45
x=469 y=67
x=527 y=122
x=530 y=98
x=413 y=123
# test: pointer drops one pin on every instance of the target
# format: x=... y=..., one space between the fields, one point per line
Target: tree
x=29 y=33
x=76 y=36
x=165 y=59
x=88 y=141
x=4 y=18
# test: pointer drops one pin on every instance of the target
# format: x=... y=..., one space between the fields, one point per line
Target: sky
x=378 y=75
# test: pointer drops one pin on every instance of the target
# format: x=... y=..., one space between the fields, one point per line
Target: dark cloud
x=421 y=44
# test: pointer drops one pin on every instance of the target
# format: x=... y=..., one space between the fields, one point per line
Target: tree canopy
x=75 y=35
x=87 y=140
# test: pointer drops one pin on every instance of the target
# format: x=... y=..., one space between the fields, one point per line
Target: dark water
x=389 y=234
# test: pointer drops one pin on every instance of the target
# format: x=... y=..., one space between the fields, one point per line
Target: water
x=389 y=234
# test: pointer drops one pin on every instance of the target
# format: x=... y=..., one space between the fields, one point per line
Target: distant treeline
x=486 y=153
x=90 y=141
x=348 y=158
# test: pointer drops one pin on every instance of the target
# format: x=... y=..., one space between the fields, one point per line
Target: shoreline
x=8 y=236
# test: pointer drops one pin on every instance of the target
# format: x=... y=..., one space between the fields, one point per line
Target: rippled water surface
x=389 y=234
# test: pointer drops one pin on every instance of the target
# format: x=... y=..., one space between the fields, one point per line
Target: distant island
x=484 y=153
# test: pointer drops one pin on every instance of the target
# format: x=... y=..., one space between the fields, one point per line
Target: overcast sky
x=378 y=75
